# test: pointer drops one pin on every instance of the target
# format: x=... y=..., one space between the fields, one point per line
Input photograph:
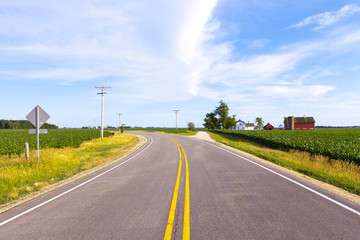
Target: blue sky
x=266 y=59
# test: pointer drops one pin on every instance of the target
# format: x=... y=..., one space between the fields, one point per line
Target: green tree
x=259 y=121
x=225 y=120
x=219 y=118
x=2 y=123
x=229 y=122
x=16 y=125
x=8 y=125
x=222 y=111
x=211 y=121
x=191 y=126
x=22 y=124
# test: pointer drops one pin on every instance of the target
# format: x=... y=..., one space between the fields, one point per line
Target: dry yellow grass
x=19 y=177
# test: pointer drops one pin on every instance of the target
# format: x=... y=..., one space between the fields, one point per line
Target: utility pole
x=119 y=121
x=102 y=109
x=176 y=112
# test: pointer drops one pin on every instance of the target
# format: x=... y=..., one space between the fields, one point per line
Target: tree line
x=219 y=118
x=22 y=124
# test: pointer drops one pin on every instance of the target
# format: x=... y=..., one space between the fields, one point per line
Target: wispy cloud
x=279 y=75
x=160 y=52
x=258 y=43
x=303 y=93
x=168 y=55
x=326 y=19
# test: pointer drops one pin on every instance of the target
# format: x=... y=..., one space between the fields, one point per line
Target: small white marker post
x=27 y=151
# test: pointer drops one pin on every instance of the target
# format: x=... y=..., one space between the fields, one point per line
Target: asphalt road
x=230 y=197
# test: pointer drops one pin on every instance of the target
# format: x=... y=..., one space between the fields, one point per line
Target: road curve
x=230 y=197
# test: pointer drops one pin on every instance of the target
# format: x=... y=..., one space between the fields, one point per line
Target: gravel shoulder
x=203 y=136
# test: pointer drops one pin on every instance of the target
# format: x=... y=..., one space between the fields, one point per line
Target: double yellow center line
x=170 y=224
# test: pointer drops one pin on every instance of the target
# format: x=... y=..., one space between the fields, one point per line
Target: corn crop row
x=12 y=142
x=335 y=143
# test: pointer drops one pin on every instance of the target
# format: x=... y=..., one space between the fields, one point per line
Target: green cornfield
x=12 y=141
x=341 y=144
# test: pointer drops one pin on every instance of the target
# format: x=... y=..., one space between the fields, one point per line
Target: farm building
x=299 y=123
x=241 y=125
x=269 y=127
x=249 y=126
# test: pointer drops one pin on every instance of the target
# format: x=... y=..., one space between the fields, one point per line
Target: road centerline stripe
x=170 y=224
x=186 y=223
x=186 y=226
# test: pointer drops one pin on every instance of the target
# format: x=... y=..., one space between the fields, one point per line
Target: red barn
x=269 y=127
x=299 y=123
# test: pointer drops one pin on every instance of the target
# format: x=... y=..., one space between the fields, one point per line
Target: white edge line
x=291 y=180
x=72 y=189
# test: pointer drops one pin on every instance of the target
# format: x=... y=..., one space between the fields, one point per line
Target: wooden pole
x=27 y=151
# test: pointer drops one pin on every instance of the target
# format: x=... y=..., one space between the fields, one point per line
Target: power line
x=102 y=108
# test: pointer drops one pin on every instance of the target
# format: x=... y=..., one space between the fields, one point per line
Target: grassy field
x=341 y=173
x=341 y=144
x=19 y=177
x=181 y=131
x=12 y=141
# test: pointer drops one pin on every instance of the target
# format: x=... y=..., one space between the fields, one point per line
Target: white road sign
x=37 y=117
x=33 y=131
x=43 y=116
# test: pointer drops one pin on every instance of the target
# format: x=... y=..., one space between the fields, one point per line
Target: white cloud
x=253 y=69
x=158 y=52
x=192 y=30
x=280 y=75
x=154 y=47
x=326 y=19
x=302 y=93
x=355 y=68
x=258 y=43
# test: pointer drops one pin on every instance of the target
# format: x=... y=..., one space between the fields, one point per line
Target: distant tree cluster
x=22 y=124
x=259 y=122
x=219 y=118
x=191 y=126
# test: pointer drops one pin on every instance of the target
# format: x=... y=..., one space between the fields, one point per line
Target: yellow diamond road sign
x=43 y=116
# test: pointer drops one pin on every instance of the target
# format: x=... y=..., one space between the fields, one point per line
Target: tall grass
x=19 y=177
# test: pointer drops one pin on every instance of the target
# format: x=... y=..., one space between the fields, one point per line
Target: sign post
x=38 y=117
x=37 y=133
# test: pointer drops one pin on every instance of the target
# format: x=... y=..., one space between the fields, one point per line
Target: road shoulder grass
x=340 y=177
x=20 y=178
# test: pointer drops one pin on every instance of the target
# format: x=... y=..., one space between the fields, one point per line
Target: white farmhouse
x=241 y=125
